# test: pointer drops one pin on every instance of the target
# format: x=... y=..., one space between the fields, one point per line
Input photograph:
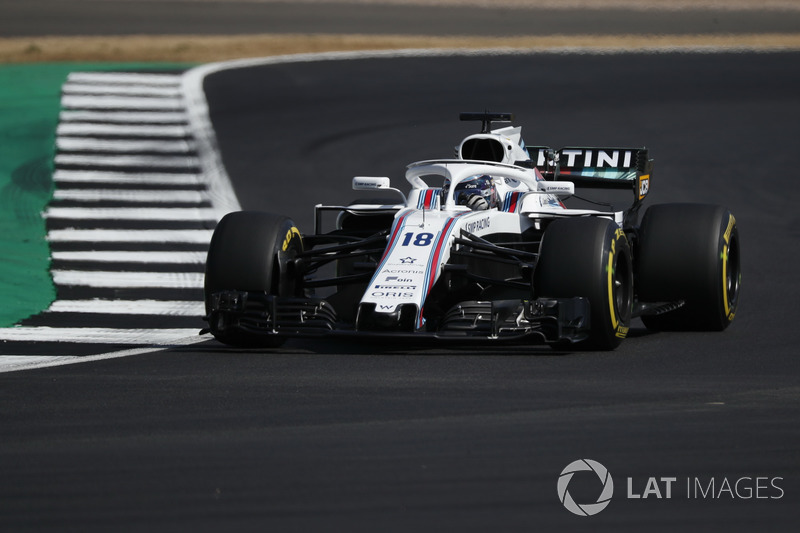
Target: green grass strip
x=30 y=101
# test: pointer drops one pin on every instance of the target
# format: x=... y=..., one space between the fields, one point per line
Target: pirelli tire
x=589 y=257
x=689 y=253
x=250 y=251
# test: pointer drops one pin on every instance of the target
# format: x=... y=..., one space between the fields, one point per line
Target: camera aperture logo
x=748 y=487
x=585 y=509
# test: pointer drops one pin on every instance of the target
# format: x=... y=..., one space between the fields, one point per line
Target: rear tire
x=250 y=251
x=589 y=257
x=689 y=252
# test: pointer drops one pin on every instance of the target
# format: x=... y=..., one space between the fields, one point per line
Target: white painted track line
x=97 y=335
x=11 y=363
x=130 y=307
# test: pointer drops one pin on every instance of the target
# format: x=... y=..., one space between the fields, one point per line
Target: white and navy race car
x=483 y=246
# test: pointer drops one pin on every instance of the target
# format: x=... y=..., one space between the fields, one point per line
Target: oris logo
x=392 y=294
x=585 y=509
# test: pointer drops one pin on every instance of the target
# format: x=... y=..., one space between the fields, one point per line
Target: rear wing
x=599 y=168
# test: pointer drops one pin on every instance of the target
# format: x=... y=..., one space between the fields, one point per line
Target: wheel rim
x=733 y=274
x=622 y=289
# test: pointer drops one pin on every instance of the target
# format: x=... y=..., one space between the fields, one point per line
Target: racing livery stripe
x=511 y=202
x=398 y=225
x=429 y=199
x=432 y=268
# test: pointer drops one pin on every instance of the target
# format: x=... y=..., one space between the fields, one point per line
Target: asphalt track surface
x=232 y=17
x=347 y=436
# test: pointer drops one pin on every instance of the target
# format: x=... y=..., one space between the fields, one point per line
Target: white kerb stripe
x=133 y=280
x=130 y=307
x=144 y=161
x=218 y=182
x=130 y=195
x=124 y=256
x=124 y=117
x=132 y=89
x=120 y=102
x=132 y=213
x=144 y=178
x=122 y=78
x=197 y=236
x=89 y=144
x=119 y=130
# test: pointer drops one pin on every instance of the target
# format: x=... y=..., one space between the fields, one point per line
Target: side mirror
x=367 y=183
x=558 y=188
x=370 y=183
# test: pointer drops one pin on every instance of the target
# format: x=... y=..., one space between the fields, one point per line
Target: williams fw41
x=487 y=245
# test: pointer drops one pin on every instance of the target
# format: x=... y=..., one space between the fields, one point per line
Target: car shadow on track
x=403 y=347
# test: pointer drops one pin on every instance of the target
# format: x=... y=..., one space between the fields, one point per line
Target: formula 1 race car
x=484 y=247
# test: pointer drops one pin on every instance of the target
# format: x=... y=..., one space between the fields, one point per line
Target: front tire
x=591 y=258
x=250 y=251
x=690 y=252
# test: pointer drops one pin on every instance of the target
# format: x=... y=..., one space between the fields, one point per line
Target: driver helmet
x=477 y=192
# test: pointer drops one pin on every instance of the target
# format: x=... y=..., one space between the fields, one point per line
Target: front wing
x=545 y=320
